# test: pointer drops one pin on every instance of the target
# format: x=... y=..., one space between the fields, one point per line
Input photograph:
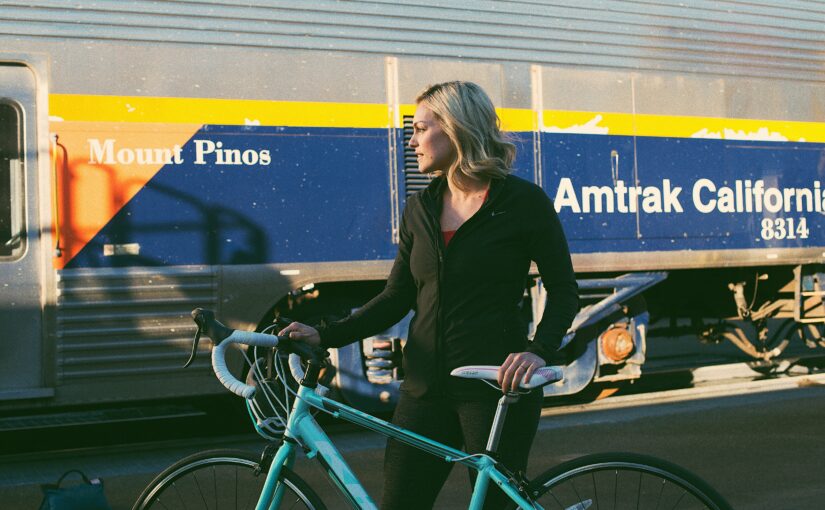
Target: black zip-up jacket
x=467 y=295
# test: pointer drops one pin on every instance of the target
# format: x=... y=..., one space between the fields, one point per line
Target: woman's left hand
x=519 y=366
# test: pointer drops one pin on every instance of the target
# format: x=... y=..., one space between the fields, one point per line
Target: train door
x=587 y=156
x=21 y=262
x=678 y=144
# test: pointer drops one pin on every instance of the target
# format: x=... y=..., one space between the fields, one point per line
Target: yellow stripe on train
x=77 y=107
x=239 y=112
x=729 y=129
x=236 y=112
x=627 y=124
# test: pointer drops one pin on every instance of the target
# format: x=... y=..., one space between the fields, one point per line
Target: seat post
x=498 y=421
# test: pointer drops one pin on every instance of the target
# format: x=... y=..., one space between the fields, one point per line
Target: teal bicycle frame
x=302 y=430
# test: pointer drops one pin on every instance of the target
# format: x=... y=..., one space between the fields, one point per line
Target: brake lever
x=200 y=320
x=194 y=347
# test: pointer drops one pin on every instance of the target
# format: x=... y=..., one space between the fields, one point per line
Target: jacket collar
x=431 y=196
x=433 y=193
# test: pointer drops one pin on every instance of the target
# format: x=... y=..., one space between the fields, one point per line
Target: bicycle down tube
x=305 y=431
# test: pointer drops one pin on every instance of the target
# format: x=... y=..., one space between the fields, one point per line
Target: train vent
x=413 y=179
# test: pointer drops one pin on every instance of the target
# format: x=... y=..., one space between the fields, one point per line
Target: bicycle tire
x=608 y=481
x=220 y=479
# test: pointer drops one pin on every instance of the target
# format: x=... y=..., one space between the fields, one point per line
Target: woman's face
x=433 y=147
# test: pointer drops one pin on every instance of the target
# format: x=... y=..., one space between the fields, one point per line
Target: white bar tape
x=219 y=359
x=295 y=367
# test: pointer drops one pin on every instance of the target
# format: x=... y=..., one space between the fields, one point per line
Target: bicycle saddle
x=541 y=377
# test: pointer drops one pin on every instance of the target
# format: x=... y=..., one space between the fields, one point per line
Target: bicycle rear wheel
x=623 y=480
x=225 y=479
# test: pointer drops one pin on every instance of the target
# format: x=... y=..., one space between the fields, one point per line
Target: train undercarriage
x=760 y=311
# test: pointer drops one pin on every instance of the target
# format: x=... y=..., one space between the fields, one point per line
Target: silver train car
x=158 y=156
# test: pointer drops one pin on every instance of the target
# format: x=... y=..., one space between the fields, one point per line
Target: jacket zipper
x=440 y=250
x=438 y=245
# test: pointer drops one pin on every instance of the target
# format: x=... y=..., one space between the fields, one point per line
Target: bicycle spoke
x=639 y=492
x=661 y=491
x=679 y=501
x=251 y=499
x=200 y=492
x=557 y=499
x=595 y=489
x=578 y=497
x=180 y=496
x=215 y=487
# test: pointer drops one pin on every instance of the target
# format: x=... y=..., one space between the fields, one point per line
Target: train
x=252 y=158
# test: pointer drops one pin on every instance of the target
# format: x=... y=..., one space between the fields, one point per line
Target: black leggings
x=413 y=478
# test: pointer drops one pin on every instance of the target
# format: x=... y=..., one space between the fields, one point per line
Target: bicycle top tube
x=304 y=430
x=385 y=428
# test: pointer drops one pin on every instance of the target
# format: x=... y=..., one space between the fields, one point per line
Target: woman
x=466 y=243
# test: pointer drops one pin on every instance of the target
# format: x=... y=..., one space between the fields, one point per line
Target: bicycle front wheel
x=623 y=480
x=226 y=479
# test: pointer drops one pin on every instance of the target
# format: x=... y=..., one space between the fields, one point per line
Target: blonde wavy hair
x=469 y=119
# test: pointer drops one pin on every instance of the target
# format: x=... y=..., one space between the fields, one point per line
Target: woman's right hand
x=302 y=332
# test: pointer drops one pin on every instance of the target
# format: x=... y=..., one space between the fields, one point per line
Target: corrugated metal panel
x=755 y=38
x=129 y=321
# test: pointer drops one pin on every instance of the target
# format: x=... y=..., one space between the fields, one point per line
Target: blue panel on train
x=686 y=194
x=323 y=196
x=736 y=194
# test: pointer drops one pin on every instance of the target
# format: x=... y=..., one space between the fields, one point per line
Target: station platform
x=760 y=447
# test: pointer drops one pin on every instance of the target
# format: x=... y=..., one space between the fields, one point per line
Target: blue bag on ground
x=87 y=495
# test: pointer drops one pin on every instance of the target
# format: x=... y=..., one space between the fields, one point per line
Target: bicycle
x=234 y=479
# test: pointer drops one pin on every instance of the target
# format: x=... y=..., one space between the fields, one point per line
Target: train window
x=727 y=97
x=415 y=74
x=10 y=160
x=775 y=99
x=586 y=90
x=679 y=94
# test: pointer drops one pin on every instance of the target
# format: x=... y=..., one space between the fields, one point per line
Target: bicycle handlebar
x=223 y=336
x=219 y=360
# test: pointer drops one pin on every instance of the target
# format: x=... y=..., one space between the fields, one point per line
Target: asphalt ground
x=762 y=447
